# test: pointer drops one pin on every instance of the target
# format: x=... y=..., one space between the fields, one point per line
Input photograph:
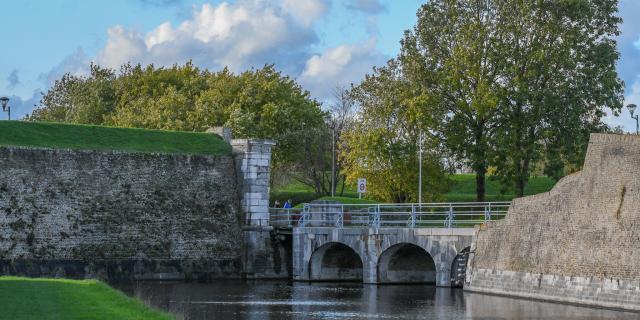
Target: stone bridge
x=381 y=255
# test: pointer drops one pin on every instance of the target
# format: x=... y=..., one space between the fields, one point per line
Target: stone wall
x=118 y=215
x=578 y=243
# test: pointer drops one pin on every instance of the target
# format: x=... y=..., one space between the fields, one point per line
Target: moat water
x=284 y=300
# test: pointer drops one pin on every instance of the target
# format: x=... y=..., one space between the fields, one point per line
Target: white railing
x=413 y=215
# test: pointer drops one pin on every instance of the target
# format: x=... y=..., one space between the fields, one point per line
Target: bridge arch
x=335 y=261
x=406 y=263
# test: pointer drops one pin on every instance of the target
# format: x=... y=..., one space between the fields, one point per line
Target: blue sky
x=321 y=43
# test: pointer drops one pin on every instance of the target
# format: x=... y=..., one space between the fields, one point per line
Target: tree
x=260 y=103
x=517 y=80
x=559 y=79
x=451 y=54
x=381 y=145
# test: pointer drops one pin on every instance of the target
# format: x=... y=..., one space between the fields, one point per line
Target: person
x=287 y=204
x=276 y=204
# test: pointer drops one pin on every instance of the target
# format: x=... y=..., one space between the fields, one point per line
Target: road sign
x=362 y=185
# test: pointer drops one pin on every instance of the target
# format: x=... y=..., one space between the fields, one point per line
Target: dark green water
x=283 y=300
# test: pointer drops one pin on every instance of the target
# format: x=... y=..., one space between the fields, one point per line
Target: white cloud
x=306 y=12
x=76 y=64
x=340 y=66
x=122 y=46
x=240 y=35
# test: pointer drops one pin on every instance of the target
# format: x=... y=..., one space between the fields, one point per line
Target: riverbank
x=30 y=298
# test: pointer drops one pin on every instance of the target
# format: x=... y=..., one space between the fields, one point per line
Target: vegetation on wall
x=92 y=137
x=260 y=103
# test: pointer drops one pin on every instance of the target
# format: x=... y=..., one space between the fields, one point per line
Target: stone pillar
x=253 y=160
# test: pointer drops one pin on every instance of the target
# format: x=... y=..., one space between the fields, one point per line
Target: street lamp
x=632 y=108
x=4 y=101
x=329 y=120
x=420 y=151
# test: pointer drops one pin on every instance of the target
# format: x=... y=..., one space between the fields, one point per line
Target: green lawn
x=88 y=137
x=28 y=298
x=462 y=189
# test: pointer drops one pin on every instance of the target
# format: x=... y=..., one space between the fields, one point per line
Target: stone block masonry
x=118 y=215
x=266 y=254
x=578 y=243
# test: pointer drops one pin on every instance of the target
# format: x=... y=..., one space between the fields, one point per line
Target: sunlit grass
x=89 y=137
x=35 y=298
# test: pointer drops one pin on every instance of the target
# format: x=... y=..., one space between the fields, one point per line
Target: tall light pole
x=420 y=150
x=4 y=101
x=329 y=120
x=632 y=108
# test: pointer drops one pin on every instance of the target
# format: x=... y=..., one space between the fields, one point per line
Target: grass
x=90 y=137
x=29 y=298
x=461 y=189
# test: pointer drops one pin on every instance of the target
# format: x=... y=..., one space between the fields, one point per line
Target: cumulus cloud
x=13 y=79
x=340 y=66
x=240 y=35
x=76 y=64
x=366 y=6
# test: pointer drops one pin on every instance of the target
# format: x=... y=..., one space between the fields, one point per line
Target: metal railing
x=413 y=215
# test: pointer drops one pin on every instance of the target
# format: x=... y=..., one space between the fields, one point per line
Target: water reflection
x=282 y=300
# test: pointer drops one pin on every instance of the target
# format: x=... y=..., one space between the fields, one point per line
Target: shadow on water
x=285 y=300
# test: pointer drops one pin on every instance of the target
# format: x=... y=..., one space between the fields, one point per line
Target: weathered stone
x=577 y=243
x=100 y=214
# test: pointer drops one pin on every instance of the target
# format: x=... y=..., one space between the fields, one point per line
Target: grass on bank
x=31 y=298
x=462 y=188
x=90 y=137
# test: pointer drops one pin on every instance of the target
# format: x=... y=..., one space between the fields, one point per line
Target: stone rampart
x=578 y=243
x=118 y=215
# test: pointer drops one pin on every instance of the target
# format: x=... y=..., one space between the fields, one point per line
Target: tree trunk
x=481 y=171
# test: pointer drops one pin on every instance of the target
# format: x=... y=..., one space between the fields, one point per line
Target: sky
x=320 y=43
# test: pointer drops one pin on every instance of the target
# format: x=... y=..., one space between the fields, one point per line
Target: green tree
x=517 y=80
x=260 y=103
x=452 y=54
x=382 y=145
x=559 y=79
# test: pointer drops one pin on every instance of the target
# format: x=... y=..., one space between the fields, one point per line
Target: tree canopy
x=502 y=83
x=259 y=103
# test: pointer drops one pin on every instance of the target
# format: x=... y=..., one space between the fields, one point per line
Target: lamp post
x=4 y=101
x=329 y=120
x=632 y=108
x=420 y=151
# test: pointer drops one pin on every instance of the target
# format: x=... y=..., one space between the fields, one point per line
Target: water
x=283 y=300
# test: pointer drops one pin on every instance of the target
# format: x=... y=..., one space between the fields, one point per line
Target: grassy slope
x=26 y=298
x=462 y=189
x=87 y=137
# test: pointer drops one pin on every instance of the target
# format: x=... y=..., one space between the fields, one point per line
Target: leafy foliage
x=382 y=145
x=259 y=103
x=504 y=83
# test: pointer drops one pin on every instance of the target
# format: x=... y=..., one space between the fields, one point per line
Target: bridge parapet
x=411 y=215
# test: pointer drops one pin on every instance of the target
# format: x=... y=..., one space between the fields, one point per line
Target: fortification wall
x=578 y=243
x=118 y=215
